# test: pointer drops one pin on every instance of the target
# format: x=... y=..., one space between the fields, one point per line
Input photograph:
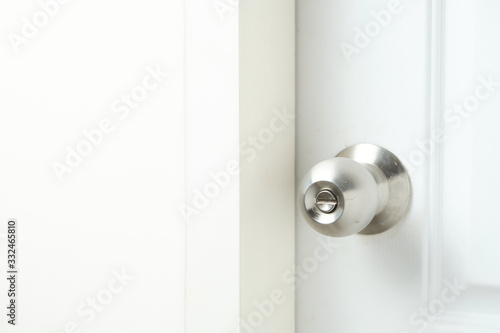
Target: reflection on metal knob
x=365 y=189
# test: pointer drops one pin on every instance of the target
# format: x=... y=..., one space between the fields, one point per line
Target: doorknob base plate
x=398 y=181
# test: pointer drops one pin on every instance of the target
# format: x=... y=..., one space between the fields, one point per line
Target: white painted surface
x=124 y=206
x=212 y=151
x=240 y=245
x=119 y=209
x=395 y=93
x=469 y=243
x=267 y=136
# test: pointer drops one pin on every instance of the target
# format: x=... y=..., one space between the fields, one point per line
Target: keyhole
x=326 y=201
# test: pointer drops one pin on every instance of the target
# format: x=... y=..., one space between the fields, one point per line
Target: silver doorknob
x=365 y=189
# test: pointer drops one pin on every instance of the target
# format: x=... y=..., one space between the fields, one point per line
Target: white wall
x=201 y=262
x=118 y=209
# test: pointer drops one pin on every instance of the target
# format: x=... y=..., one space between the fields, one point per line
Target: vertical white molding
x=212 y=142
x=434 y=228
x=238 y=84
x=267 y=225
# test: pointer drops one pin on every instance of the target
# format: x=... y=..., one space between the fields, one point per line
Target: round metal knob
x=365 y=190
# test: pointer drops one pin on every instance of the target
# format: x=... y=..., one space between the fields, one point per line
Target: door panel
x=396 y=86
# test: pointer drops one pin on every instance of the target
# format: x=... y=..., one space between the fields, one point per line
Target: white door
x=421 y=78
